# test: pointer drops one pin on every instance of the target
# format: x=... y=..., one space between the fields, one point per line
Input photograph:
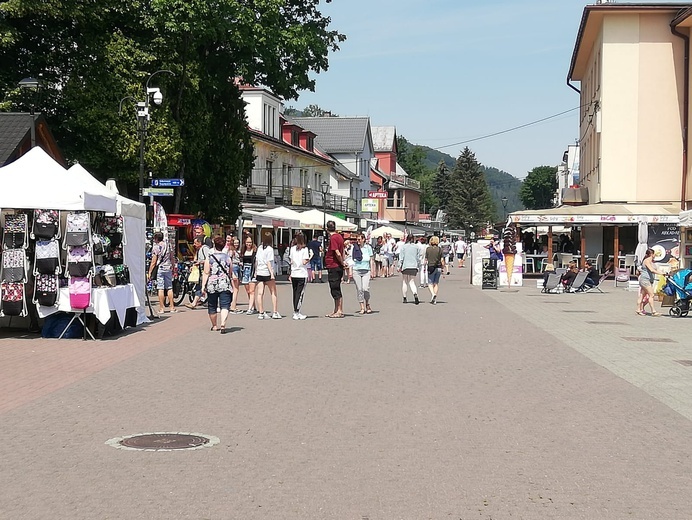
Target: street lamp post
x=504 y=209
x=33 y=84
x=143 y=121
x=325 y=191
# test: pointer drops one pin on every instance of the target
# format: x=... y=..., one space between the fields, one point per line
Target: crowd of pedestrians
x=226 y=265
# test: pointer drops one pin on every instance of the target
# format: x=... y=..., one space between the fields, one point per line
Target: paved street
x=490 y=405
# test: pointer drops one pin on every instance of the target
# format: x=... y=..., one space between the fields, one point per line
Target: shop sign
x=377 y=194
x=369 y=205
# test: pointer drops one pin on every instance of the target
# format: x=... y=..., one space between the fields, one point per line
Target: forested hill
x=501 y=183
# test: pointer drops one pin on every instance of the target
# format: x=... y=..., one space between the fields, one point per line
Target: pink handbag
x=80 y=292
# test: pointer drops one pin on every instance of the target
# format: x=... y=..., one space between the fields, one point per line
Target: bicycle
x=183 y=287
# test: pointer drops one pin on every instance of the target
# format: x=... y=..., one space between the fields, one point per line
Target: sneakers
x=417 y=300
x=302 y=316
x=299 y=316
x=263 y=316
x=405 y=299
x=276 y=316
x=250 y=312
x=434 y=300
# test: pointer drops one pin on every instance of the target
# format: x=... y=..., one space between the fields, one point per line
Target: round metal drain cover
x=163 y=441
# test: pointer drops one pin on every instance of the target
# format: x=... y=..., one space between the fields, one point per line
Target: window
x=304 y=178
x=310 y=143
x=295 y=138
x=399 y=199
x=269 y=166
x=390 y=198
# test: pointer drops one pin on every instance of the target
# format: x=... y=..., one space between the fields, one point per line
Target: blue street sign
x=167 y=183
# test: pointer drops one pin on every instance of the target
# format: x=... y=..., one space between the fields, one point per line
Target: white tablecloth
x=103 y=301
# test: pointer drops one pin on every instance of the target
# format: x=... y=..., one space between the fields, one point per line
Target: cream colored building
x=633 y=84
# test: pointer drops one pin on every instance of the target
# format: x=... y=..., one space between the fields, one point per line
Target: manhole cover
x=163 y=441
x=684 y=362
x=649 y=340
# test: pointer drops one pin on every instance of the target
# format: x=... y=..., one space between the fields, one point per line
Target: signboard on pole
x=158 y=192
x=369 y=205
x=167 y=183
x=377 y=194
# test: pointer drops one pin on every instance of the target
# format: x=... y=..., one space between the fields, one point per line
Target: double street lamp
x=143 y=120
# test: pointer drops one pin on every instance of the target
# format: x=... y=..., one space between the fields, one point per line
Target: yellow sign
x=369 y=205
x=297 y=196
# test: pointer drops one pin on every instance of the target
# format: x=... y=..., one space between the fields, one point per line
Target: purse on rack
x=46 y=224
x=77 y=229
x=12 y=301
x=46 y=257
x=79 y=288
x=79 y=260
x=13 y=265
x=46 y=289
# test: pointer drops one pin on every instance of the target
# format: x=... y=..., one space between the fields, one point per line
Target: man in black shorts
x=334 y=262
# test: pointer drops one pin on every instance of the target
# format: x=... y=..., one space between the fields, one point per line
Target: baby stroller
x=679 y=285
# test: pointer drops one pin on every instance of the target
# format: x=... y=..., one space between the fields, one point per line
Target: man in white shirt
x=446 y=247
x=460 y=249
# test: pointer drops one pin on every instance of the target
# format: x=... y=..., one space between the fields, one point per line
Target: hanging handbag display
x=46 y=289
x=46 y=257
x=46 y=224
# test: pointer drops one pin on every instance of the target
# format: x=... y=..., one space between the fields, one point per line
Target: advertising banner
x=369 y=205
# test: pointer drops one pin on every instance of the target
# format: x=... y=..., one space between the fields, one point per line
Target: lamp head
x=29 y=83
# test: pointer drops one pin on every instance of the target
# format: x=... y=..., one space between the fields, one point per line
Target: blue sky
x=444 y=71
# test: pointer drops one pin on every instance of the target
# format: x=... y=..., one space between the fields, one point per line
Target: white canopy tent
x=134 y=237
x=36 y=180
x=315 y=217
x=383 y=230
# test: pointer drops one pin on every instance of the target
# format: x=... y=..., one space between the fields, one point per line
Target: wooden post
x=616 y=250
x=550 y=245
x=582 y=247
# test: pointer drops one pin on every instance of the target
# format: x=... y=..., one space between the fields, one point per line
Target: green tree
x=92 y=54
x=440 y=185
x=412 y=159
x=470 y=205
x=316 y=111
x=538 y=188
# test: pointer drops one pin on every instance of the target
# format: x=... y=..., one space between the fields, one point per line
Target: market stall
x=50 y=253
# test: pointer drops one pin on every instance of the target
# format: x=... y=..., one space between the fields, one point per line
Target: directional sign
x=158 y=192
x=377 y=194
x=167 y=183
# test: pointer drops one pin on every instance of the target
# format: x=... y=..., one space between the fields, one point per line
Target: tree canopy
x=538 y=189
x=470 y=205
x=91 y=55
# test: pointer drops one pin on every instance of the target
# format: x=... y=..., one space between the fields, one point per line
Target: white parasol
x=643 y=239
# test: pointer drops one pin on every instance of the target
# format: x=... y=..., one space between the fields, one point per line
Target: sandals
x=362 y=311
x=368 y=310
x=214 y=329
x=656 y=314
x=640 y=313
x=334 y=315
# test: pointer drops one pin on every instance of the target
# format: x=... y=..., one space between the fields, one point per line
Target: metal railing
x=284 y=196
x=406 y=181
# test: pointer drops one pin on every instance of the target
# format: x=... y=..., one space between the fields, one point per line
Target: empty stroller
x=679 y=285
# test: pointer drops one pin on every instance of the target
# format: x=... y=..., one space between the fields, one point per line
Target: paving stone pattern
x=489 y=405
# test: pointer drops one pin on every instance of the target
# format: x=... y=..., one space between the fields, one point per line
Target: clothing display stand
x=82 y=320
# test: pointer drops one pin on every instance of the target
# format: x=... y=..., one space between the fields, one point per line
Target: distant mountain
x=501 y=183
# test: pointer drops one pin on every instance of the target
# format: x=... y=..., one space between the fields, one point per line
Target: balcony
x=405 y=181
x=295 y=196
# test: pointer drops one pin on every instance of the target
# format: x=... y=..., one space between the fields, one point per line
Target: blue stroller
x=679 y=285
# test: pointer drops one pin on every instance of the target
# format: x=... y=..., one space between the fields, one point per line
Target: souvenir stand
x=47 y=216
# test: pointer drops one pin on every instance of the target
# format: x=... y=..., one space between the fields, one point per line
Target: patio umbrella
x=643 y=239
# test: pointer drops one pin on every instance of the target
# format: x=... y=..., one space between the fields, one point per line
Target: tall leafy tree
x=538 y=188
x=93 y=54
x=412 y=159
x=470 y=205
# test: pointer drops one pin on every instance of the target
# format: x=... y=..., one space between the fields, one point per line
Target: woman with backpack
x=408 y=266
x=436 y=263
x=363 y=265
x=217 y=284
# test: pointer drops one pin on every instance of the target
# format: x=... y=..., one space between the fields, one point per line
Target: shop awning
x=599 y=214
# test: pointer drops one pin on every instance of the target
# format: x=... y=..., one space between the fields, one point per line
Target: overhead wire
x=513 y=128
